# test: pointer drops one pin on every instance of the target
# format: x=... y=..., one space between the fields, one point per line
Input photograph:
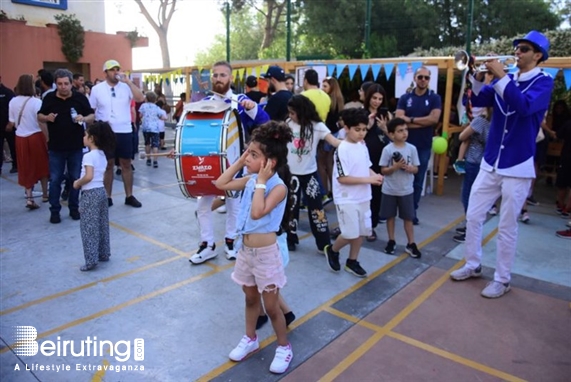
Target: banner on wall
x=300 y=74
x=404 y=81
x=200 y=84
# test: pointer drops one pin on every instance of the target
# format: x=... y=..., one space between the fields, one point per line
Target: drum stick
x=145 y=155
x=220 y=95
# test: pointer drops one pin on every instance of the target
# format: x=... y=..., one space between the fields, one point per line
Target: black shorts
x=123 y=146
x=390 y=203
x=162 y=135
x=151 y=139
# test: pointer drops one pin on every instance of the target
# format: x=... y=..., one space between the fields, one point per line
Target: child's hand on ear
x=266 y=171
x=242 y=159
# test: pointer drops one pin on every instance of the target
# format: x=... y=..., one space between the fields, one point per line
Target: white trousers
x=205 y=223
x=487 y=188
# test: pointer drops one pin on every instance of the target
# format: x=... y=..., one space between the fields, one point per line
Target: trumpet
x=464 y=61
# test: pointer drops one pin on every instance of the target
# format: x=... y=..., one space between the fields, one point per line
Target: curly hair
x=273 y=137
x=103 y=136
x=306 y=116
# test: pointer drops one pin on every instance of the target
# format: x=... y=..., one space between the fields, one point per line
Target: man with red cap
x=520 y=101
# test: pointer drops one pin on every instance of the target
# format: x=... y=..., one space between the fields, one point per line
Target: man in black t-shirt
x=277 y=103
x=65 y=113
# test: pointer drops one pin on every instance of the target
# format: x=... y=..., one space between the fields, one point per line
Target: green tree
x=161 y=25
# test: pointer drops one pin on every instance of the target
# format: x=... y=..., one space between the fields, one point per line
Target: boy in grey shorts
x=352 y=179
x=399 y=162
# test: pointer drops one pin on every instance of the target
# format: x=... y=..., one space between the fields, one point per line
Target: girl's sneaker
x=493 y=211
x=155 y=164
x=148 y=162
x=564 y=234
x=246 y=347
x=460 y=167
x=282 y=359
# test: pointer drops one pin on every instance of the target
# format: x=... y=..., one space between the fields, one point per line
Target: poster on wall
x=406 y=82
x=300 y=74
x=58 y=4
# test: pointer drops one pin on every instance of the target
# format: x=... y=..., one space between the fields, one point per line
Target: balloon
x=439 y=145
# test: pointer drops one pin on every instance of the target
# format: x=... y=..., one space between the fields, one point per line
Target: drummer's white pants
x=487 y=188
x=205 y=218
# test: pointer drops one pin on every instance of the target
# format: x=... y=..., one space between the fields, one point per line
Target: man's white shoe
x=282 y=359
x=221 y=209
x=204 y=253
x=495 y=289
x=466 y=273
x=246 y=347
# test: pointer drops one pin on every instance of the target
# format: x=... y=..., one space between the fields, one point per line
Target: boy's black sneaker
x=332 y=258
x=412 y=250
x=132 y=201
x=460 y=238
x=390 y=248
x=461 y=230
x=353 y=266
x=55 y=218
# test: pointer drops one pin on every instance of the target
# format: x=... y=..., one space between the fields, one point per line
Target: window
x=57 y=4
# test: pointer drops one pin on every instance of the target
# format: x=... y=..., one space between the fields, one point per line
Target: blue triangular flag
x=415 y=65
x=551 y=71
x=567 y=75
x=402 y=67
x=364 y=69
x=388 y=70
x=375 y=69
x=330 y=69
x=340 y=68
x=352 y=70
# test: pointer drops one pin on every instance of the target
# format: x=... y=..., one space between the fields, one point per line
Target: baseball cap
x=110 y=64
x=275 y=72
x=251 y=81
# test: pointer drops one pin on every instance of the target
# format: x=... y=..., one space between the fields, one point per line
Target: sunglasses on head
x=421 y=77
x=523 y=48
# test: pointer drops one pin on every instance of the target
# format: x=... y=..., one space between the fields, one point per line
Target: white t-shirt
x=97 y=160
x=351 y=159
x=29 y=122
x=113 y=104
x=301 y=160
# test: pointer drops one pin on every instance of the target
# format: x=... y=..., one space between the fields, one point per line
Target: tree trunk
x=161 y=27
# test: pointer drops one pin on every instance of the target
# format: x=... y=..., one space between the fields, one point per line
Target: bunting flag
x=248 y=72
x=234 y=73
x=352 y=70
x=375 y=69
x=240 y=73
x=567 y=76
x=264 y=69
x=364 y=69
x=388 y=70
x=330 y=69
x=551 y=71
x=340 y=68
x=402 y=68
x=415 y=66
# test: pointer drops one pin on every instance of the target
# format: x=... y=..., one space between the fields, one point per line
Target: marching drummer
x=251 y=116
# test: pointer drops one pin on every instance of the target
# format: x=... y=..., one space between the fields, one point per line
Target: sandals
x=45 y=199
x=31 y=205
x=372 y=237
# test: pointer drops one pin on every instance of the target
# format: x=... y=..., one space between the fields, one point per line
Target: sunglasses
x=421 y=77
x=112 y=92
x=523 y=48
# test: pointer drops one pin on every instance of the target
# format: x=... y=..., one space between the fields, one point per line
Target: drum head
x=210 y=106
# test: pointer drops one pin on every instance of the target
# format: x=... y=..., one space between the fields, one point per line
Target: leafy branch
x=72 y=36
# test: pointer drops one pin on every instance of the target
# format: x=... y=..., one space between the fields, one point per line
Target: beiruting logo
x=25 y=345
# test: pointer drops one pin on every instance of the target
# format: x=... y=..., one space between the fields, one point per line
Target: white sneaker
x=204 y=253
x=246 y=347
x=466 y=273
x=493 y=211
x=524 y=217
x=229 y=249
x=495 y=289
x=221 y=209
x=282 y=359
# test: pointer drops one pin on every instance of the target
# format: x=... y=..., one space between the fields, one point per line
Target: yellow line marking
x=2 y=250
x=327 y=305
x=133 y=259
x=455 y=358
x=357 y=353
x=100 y=374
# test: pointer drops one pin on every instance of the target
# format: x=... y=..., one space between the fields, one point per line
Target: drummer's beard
x=221 y=88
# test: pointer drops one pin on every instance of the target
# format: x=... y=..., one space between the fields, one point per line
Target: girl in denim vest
x=259 y=266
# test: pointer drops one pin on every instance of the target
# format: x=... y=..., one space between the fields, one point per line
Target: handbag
x=21 y=112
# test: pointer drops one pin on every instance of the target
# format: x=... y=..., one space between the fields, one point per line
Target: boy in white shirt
x=352 y=178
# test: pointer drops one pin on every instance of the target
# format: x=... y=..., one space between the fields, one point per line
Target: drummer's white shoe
x=204 y=253
x=229 y=249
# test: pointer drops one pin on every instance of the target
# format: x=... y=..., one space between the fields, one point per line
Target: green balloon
x=439 y=145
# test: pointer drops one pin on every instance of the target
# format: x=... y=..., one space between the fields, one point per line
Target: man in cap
x=111 y=100
x=520 y=101
x=277 y=103
x=251 y=116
